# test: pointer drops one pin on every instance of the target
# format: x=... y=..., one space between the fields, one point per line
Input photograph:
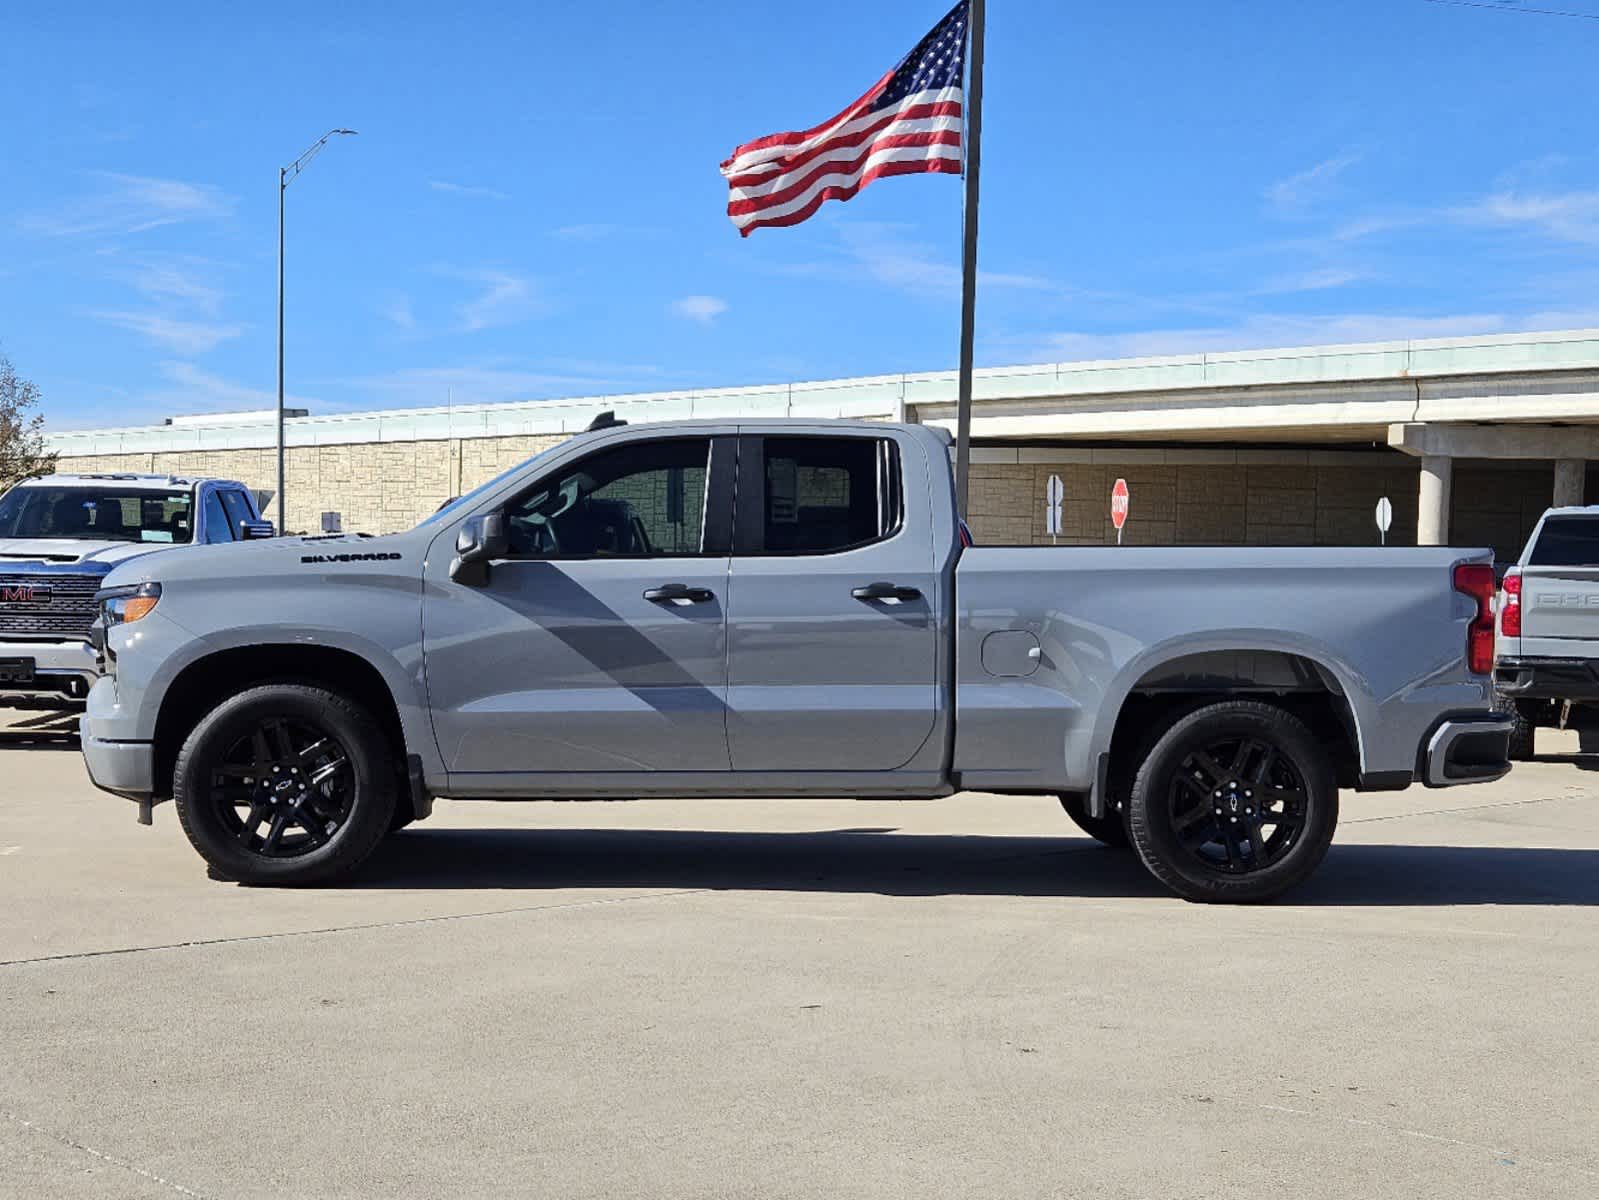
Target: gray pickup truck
x=783 y=609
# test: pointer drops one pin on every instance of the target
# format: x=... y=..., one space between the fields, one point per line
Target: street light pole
x=286 y=176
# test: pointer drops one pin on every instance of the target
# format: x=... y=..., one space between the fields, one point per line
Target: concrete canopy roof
x=1322 y=393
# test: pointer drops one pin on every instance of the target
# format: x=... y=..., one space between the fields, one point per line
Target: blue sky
x=533 y=207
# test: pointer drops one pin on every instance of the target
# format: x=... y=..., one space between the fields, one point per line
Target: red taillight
x=1510 y=611
x=1477 y=581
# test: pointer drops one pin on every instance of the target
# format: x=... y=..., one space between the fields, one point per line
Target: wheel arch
x=203 y=683
x=1160 y=689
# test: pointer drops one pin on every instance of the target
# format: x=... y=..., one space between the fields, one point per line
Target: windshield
x=463 y=503
x=99 y=514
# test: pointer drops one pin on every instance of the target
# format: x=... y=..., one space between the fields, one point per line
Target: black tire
x=285 y=784
x=1191 y=815
x=1522 y=730
x=1111 y=829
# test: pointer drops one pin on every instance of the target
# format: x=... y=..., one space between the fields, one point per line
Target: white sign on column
x=1054 y=496
x=1385 y=518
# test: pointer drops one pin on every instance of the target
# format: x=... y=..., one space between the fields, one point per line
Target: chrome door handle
x=886 y=591
x=679 y=593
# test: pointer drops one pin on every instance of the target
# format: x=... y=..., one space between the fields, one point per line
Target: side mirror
x=481 y=540
x=256 y=531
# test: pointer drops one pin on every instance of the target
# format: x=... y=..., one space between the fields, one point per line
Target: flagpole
x=974 y=155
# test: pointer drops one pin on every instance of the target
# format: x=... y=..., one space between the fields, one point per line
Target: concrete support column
x=1571 y=478
x=1432 y=518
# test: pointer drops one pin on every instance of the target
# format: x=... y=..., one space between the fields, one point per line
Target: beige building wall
x=378 y=487
x=1196 y=503
x=381 y=487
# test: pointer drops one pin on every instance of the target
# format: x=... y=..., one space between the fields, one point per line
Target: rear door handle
x=679 y=593
x=886 y=591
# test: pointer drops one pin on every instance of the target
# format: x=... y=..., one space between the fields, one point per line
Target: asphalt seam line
x=112 y=1159
x=293 y=933
x=1444 y=812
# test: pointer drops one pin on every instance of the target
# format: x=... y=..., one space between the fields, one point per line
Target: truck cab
x=61 y=535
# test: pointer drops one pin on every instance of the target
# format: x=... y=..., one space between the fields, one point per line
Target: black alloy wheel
x=286 y=783
x=1237 y=804
x=1234 y=802
x=284 y=788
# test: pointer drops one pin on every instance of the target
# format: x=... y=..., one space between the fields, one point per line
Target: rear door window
x=817 y=495
x=1567 y=542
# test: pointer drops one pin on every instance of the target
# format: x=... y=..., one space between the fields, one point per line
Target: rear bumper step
x=1468 y=750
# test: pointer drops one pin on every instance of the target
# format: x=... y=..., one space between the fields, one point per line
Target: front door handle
x=679 y=593
x=886 y=591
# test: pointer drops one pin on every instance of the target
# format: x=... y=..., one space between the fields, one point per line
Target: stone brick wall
x=1196 y=504
x=377 y=487
x=383 y=487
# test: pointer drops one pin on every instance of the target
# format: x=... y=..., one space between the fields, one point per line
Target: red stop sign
x=1119 y=500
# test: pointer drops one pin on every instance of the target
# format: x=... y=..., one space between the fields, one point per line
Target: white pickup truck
x=61 y=535
x=1548 y=646
x=783 y=609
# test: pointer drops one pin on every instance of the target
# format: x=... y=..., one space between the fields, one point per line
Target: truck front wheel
x=285 y=784
x=1235 y=803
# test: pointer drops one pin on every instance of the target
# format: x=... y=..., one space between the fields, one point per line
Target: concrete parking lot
x=802 y=998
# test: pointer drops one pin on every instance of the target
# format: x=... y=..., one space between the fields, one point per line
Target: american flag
x=910 y=122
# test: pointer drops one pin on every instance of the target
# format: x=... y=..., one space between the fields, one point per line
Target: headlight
x=125 y=605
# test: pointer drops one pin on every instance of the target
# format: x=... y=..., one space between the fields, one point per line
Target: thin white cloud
x=1320 y=280
x=467 y=190
x=397 y=310
x=171 y=333
x=1571 y=216
x=1298 y=192
x=180 y=281
x=885 y=253
x=128 y=204
x=703 y=309
x=482 y=383
x=504 y=298
x=181 y=387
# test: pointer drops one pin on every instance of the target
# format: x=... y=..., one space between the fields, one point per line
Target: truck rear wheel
x=1235 y=803
x=285 y=784
x=1522 y=729
x=1110 y=829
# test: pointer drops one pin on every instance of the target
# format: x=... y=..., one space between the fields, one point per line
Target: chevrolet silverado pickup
x=61 y=535
x=782 y=608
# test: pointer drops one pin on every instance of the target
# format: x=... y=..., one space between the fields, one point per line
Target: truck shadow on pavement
x=37 y=728
x=895 y=864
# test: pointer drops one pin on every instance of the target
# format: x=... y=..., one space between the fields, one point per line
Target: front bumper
x=66 y=669
x=1473 y=748
x=1547 y=678
x=124 y=768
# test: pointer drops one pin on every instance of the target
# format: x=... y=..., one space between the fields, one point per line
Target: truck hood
x=106 y=555
x=305 y=558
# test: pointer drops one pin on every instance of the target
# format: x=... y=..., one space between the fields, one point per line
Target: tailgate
x=1560 y=602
